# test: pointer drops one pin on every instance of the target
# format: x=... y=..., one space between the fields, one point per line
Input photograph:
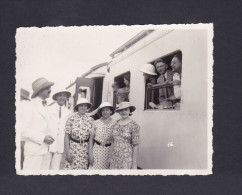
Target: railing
x=161 y=96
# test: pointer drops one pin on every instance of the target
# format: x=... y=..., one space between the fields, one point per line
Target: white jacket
x=35 y=128
x=57 y=126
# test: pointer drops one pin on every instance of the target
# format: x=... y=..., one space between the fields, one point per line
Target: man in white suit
x=58 y=115
x=35 y=128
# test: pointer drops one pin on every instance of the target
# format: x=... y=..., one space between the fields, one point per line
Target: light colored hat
x=61 y=91
x=105 y=105
x=124 y=105
x=40 y=84
x=24 y=94
x=148 y=69
x=82 y=101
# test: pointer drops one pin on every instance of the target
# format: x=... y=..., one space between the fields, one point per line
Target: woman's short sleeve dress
x=124 y=138
x=102 y=134
x=79 y=128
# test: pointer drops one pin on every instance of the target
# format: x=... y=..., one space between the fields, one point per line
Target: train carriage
x=170 y=138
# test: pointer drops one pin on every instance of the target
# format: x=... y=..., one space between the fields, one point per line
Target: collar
x=38 y=101
x=165 y=75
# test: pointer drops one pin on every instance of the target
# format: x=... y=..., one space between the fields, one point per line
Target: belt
x=79 y=141
x=100 y=144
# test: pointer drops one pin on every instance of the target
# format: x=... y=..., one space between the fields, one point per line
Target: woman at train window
x=100 y=139
x=123 y=93
x=125 y=139
x=176 y=65
x=78 y=129
x=149 y=73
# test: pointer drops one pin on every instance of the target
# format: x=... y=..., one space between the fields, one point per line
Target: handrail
x=159 y=85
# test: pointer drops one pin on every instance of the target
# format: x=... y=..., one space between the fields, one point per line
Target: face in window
x=124 y=113
x=161 y=67
x=126 y=82
x=82 y=108
x=115 y=87
x=61 y=98
x=106 y=112
x=176 y=65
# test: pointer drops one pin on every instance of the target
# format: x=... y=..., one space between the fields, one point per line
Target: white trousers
x=55 y=161
x=41 y=162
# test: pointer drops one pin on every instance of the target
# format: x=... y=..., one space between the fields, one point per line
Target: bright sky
x=61 y=54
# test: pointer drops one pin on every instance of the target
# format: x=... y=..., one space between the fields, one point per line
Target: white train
x=170 y=138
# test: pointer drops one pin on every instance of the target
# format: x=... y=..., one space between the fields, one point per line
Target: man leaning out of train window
x=176 y=65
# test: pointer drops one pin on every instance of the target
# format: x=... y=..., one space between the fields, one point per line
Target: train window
x=165 y=90
x=121 y=87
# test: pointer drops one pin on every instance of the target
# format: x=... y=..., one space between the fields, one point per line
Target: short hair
x=115 y=83
x=179 y=56
x=160 y=60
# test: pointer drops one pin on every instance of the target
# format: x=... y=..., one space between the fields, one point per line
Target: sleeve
x=69 y=125
x=136 y=134
x=176 y=77
x=63 y=123
x=27 y=131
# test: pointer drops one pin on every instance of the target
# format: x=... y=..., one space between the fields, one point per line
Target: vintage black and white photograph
x=114 y=100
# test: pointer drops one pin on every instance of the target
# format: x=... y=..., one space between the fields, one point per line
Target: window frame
x=114 y=95
x=159 y=86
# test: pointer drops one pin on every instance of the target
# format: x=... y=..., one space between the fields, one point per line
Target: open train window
x=121 y=88
x=165 y=90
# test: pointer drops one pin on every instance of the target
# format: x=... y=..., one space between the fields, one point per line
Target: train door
x=91 y=89
x=85 y=89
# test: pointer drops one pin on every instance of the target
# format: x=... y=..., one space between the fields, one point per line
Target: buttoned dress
x=79 y=128
x=102 y=134
x=124 y=138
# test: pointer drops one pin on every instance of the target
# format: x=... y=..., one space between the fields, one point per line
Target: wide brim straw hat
x=59 y=92
x=40 y=84
x=82 y=101
x=124 y=105
x=148 y=69
x=105 y=105
x=24 y=94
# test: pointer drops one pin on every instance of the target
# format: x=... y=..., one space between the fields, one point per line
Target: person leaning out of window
x=149 y=74
x=176 y=65
x=123 y=93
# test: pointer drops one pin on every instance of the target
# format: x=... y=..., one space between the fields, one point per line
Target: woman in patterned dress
x=78 y=129
x=99 y=151
x=125 y=140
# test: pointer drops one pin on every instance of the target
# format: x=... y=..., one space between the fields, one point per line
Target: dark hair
x=127 y=77
x=179 y=56
x=115 y=83
x=160 y=60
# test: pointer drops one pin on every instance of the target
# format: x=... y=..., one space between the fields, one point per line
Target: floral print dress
x=79 y=128
x=124 y=137
x=102 y=134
